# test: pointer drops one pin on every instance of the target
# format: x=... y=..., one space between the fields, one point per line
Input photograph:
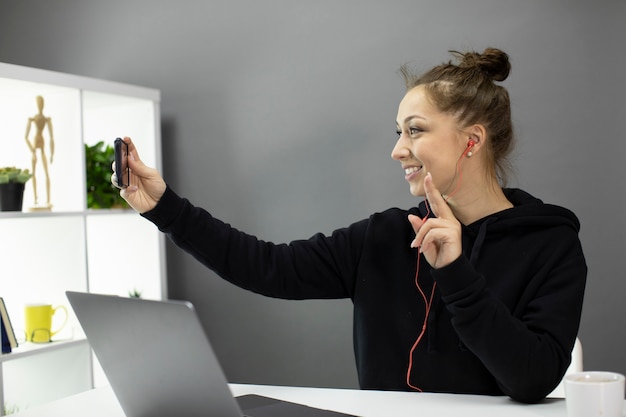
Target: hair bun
x=492 y=62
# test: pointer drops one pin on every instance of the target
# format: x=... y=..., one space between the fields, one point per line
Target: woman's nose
x=399 y=151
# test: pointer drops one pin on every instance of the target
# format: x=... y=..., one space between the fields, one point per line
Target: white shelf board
x=27 y=349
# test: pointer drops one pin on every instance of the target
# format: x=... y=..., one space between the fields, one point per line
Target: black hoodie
x=503 y=317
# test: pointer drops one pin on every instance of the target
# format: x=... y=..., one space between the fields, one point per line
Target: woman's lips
x=411 y=172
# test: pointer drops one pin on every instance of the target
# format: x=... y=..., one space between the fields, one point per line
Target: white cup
x=594 y=394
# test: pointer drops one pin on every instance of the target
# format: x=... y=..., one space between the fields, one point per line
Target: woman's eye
x=415 y=130
x=398 y=133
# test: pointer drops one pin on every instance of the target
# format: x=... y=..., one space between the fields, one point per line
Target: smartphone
x=121 y=163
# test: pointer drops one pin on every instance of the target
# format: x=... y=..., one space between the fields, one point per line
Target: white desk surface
x=101 y=402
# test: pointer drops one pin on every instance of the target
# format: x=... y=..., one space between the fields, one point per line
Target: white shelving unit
x=45 y=253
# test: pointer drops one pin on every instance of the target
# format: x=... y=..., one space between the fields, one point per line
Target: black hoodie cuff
x=458 y=276
x=167 y=209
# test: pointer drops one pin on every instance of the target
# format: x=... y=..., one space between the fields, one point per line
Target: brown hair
x=468 y=91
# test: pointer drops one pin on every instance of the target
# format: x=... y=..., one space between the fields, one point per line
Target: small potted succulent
x=12 y=183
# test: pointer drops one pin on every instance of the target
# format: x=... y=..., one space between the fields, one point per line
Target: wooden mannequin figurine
x=40 y=121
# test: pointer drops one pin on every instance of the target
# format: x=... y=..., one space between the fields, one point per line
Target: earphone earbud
x=468 y=150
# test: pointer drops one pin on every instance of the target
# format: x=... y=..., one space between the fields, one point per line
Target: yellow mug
x=38 y=322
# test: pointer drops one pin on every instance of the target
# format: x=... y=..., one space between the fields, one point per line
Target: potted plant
x=12 y=183
x=101 y=194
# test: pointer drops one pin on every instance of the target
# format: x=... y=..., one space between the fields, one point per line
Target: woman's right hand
x=146 y=184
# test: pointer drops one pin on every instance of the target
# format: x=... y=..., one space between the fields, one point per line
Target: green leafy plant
x=9 y=409
x=101 y=194
x=14 y=175
x=135 y=293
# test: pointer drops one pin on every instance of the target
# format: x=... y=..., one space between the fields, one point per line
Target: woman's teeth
x=411 y=170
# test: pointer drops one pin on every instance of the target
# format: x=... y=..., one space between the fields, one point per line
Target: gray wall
x=278 y=116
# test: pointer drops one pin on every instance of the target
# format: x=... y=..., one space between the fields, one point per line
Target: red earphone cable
x=427 y=303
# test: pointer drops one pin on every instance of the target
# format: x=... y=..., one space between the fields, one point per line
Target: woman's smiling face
x=429 y=141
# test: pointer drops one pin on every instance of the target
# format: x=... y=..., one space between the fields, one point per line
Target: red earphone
x=470 y=145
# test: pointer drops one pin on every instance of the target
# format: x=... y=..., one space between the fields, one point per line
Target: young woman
x=477 y=290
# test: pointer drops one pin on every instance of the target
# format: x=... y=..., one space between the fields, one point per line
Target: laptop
x=160 y=362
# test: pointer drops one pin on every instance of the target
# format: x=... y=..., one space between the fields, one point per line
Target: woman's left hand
x=439 y=238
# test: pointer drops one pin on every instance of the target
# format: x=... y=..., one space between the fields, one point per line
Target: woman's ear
x=476 y=135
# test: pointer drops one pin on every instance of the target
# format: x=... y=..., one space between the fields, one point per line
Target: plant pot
x=11 y=196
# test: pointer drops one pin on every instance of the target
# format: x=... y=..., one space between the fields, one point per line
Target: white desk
x=102 y=403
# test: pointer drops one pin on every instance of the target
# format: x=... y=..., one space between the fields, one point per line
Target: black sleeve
x=319 y=267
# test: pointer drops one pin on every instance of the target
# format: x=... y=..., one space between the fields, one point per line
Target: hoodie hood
x=529 y=211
